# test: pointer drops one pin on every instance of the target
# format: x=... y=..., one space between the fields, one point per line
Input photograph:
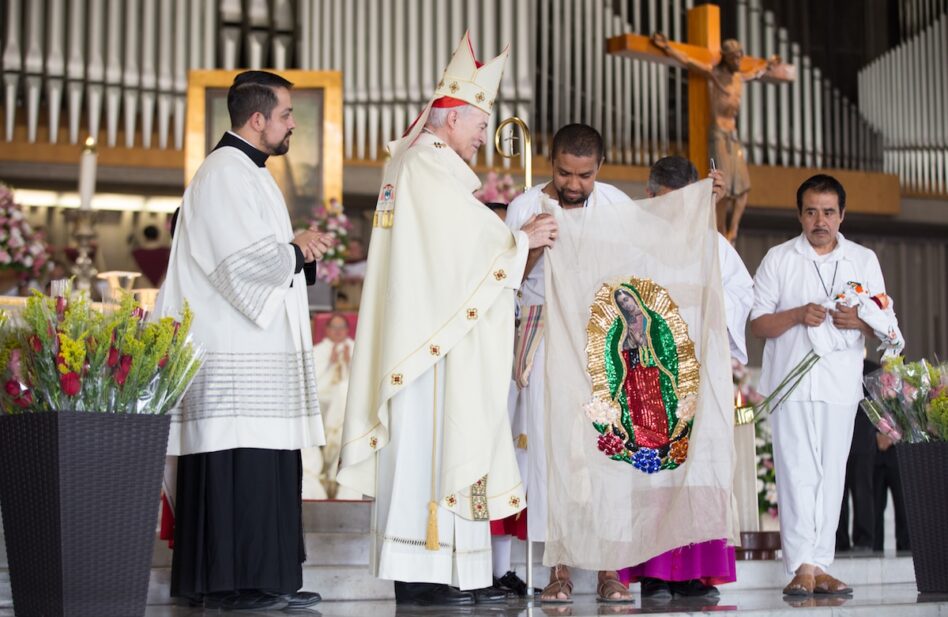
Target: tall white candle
x=87 y=175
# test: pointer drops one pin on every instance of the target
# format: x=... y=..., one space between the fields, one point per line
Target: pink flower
x=909 y=391
x=890 y=385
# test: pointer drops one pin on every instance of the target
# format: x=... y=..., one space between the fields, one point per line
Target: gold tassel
x=431 y=539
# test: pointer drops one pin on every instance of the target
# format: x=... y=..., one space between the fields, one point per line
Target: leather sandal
x=824 y=584
x=559 y=583
x=610 y=584
x=800 y=585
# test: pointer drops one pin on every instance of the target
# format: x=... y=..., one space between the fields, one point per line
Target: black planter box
x=80 y=496
x=923 y=468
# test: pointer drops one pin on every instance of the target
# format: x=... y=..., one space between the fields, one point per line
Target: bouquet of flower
x=63 y=354
x=21 y=248
x=908 y=401
x=330 y=218
x=497 y=189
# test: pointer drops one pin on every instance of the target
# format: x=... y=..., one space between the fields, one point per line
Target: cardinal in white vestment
x=813 y=428
x=426 y=430
x=252 y=406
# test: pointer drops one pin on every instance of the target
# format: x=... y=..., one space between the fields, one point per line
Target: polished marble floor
x=897 y=600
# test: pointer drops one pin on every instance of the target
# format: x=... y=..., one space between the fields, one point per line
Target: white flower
x=687 y=407
x=602 y=412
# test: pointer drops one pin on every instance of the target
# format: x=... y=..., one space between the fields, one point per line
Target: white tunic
x=812 y=431
x=791 y=275
x=232 y=261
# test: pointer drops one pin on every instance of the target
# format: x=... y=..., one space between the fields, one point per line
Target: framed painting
x=311 y=172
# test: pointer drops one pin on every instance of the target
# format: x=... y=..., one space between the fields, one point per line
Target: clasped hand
x=313 y=243
x=844 y=317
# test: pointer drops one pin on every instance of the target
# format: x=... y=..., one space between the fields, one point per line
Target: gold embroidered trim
x=521 y=441
x=500 y=274
x=434 y=350
x=472 y=313
x=479 y=500
x=479 y=97
x=454 y=87
x=383 y=219
x=451 y=500
x=514 y=501
x=373 y=442
x=397 y=379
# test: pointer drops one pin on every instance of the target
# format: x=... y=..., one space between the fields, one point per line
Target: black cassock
x=238 y=522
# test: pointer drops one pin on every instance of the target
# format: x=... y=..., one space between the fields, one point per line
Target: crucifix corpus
x=716 y=76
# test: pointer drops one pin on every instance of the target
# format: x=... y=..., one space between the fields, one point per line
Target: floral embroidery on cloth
x=644 y=374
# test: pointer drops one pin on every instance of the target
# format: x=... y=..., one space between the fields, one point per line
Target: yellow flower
x=73 y=352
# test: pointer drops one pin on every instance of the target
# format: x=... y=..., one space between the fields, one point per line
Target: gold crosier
x=526 y=147
x=526 y=161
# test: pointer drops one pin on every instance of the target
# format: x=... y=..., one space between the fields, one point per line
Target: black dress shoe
x=514 y=585
x=251 y=601
x=489 y=595
x=656 y=589
x=431 y=594
x=693 y=589
x=298 y=600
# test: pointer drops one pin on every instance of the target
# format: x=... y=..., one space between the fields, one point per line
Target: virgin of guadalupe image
x=644 y=375
x=641 y=382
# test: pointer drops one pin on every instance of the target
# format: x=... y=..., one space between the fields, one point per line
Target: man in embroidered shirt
x=577 y=155
x=426 y=431
x=813 y=429
x=253 y=405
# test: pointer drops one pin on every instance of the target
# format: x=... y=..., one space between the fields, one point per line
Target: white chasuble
x=439 y=288
x=638 y=382
x=232 y=261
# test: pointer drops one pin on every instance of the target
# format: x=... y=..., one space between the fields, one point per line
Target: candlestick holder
x=83 y=231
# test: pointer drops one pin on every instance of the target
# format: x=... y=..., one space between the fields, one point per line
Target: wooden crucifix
x=716 y=79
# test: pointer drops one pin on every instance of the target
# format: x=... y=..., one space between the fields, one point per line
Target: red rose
x=113 y=357
x=138 y=312
x=70 y=383
x=122 y=374
x=36 y=343
x=163 y=361
x=60 y=307
x=12 y=387
x=25 y=400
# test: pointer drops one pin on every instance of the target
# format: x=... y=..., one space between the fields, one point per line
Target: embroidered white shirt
x=791 y=275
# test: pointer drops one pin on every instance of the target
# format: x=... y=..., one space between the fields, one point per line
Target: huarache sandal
x=610 y=585
x=824 y=584
x=800 y=585
x=560 y=583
